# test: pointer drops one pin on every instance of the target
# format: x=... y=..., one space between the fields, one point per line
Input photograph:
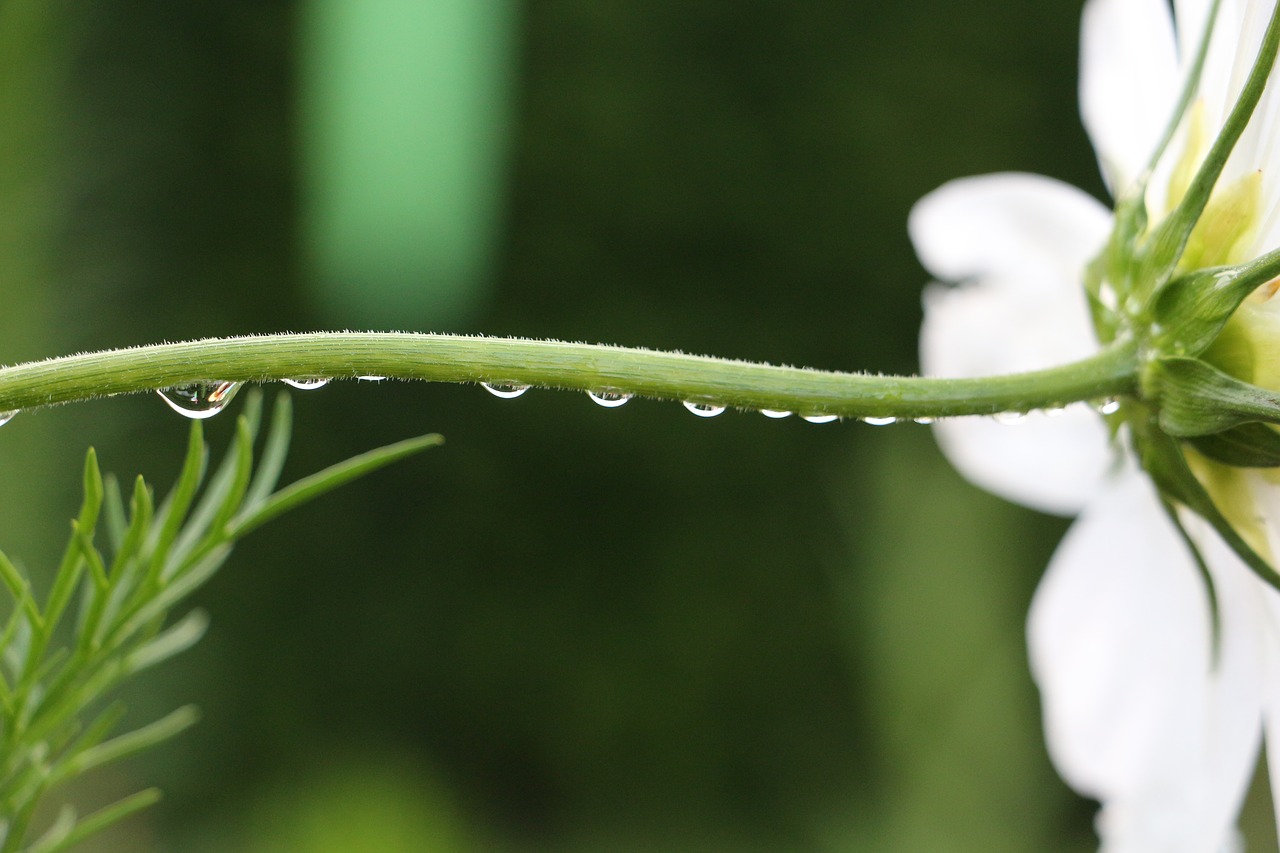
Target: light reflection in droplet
x=609 y=398
x=199 y=400
x=703 y=410
x=309 y=384
x=505 y=390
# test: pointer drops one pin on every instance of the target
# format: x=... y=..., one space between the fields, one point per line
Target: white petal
x=1136 y=713
x=1019 y=243
x=1190 y=17
x=1129 y=83
x=1027 y=230
x=1267 y=604
x=1271 y=684
x=1232 y=49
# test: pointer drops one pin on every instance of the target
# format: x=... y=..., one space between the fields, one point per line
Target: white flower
x=1140 y=712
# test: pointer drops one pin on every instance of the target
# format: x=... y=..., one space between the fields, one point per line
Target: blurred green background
x=570 y=628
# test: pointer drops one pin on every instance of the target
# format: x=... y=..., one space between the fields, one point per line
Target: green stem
x=581 y=367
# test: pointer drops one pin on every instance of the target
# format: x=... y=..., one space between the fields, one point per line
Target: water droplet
x=1010 y=417
x=880 y=421
x=309 y=384
x=775 y=413
x=5 y=417
x=505 y=390
x=199 y=399
x=924 y=419
x=609 y=398
x=703 y=410
x=820 y=419
x=371 y=378
x=1108 y=406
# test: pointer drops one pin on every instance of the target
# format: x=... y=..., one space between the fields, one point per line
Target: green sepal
x=1197 y=399
x=1108 y=276
x=1251 y=445
x=1162 y=458
x=1192 y=309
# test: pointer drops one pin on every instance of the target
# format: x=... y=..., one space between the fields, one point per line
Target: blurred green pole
x=33 y=53
x=405 y=112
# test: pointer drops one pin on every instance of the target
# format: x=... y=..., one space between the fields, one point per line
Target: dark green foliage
x=58 y=663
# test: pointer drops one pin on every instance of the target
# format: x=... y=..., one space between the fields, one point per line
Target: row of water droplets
x=201 y=400
x=613 y=398
x=205 y=399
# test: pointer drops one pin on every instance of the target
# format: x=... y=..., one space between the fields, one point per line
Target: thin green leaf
x=95 y=597
x=127 y=564
x=92 y=558
x=93 y=493
x=15 y=642
x=20 y=811
x=242 y=450
x=164 y=600
x=309 y=488
x=55 y=837
x=134 y=742
x=200 y=522
x=106 y=817
x=174 y=511
x=179 y=637
x=95 y=732
x=64 y=584
x=20 y=588
x=273 y=453
x=140 y=521
x=69 y=569
x=113 y=512
x=61 y=707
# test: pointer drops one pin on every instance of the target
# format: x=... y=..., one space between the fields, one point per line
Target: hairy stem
x=552 y=364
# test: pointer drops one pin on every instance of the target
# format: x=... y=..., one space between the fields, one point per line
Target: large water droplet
x=505 y=390
x=820 y=419
x=775 y=413
x=5 y=417
x=1010 y=417
x=608 y=398
x=880 y=421
x=308 y=384
x=199 y=399
x=703 y=410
